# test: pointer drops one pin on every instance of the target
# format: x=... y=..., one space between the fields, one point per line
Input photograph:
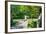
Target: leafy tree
x=19 y=11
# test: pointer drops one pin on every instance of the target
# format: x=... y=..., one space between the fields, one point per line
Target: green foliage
x=18 y=11
x=32 y=24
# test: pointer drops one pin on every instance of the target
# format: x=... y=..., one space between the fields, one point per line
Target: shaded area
x=19 y=12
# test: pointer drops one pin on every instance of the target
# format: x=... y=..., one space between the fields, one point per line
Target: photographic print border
x=6 y=16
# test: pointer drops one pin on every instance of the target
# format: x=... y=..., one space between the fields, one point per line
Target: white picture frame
x=8 y=16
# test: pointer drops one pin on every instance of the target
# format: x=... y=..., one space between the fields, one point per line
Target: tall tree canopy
x=19 y=11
